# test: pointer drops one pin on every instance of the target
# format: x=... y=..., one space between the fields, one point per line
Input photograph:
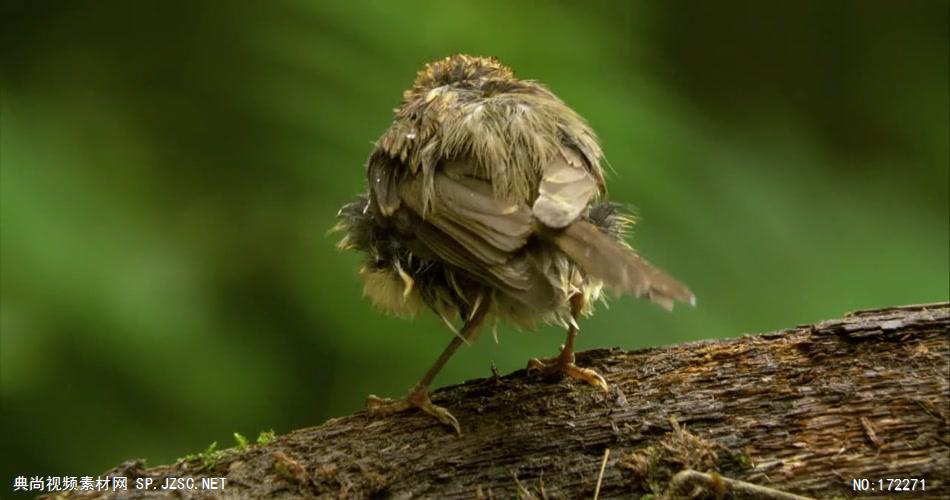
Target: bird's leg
x=419 y=395
x=563 y=364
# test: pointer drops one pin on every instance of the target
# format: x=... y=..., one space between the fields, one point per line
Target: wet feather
x=486 y=187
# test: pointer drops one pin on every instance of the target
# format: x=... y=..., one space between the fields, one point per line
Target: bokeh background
x=170 y=170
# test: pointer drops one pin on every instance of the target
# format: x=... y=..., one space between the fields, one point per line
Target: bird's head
x=459 y=69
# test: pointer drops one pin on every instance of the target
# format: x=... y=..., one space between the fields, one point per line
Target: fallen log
x=846 y=407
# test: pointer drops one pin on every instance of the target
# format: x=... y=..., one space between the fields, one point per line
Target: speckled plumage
x=485 y=187
x=482 y=205
x=474 y=107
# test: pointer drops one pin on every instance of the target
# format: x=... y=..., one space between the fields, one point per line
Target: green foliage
x=169 y=170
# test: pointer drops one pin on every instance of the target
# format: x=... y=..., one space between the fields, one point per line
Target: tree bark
x=806 y=410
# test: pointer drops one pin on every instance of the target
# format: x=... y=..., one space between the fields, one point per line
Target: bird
x=486 y=201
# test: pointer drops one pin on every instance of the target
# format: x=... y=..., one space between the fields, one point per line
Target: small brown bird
x=483 y=203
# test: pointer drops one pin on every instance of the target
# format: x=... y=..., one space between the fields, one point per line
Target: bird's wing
x=620 y=268
x=382 y=175
x=566 y=188
x=468 y=227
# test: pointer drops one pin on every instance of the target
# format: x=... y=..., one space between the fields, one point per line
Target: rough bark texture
x=804 y=410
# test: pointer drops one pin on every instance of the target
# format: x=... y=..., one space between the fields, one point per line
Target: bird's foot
x=418 y=398
x=564 y=365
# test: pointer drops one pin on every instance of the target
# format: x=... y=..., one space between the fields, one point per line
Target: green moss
x=743 y=461
x=266 y=437
x=241 y=441
x=210 y=457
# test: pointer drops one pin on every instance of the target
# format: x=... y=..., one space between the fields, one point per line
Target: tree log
x=805 y=411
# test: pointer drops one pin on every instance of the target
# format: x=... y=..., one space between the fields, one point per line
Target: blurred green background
x=170 y=170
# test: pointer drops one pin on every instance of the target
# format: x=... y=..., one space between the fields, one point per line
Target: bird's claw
x=562 y=365
x=418 y=398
